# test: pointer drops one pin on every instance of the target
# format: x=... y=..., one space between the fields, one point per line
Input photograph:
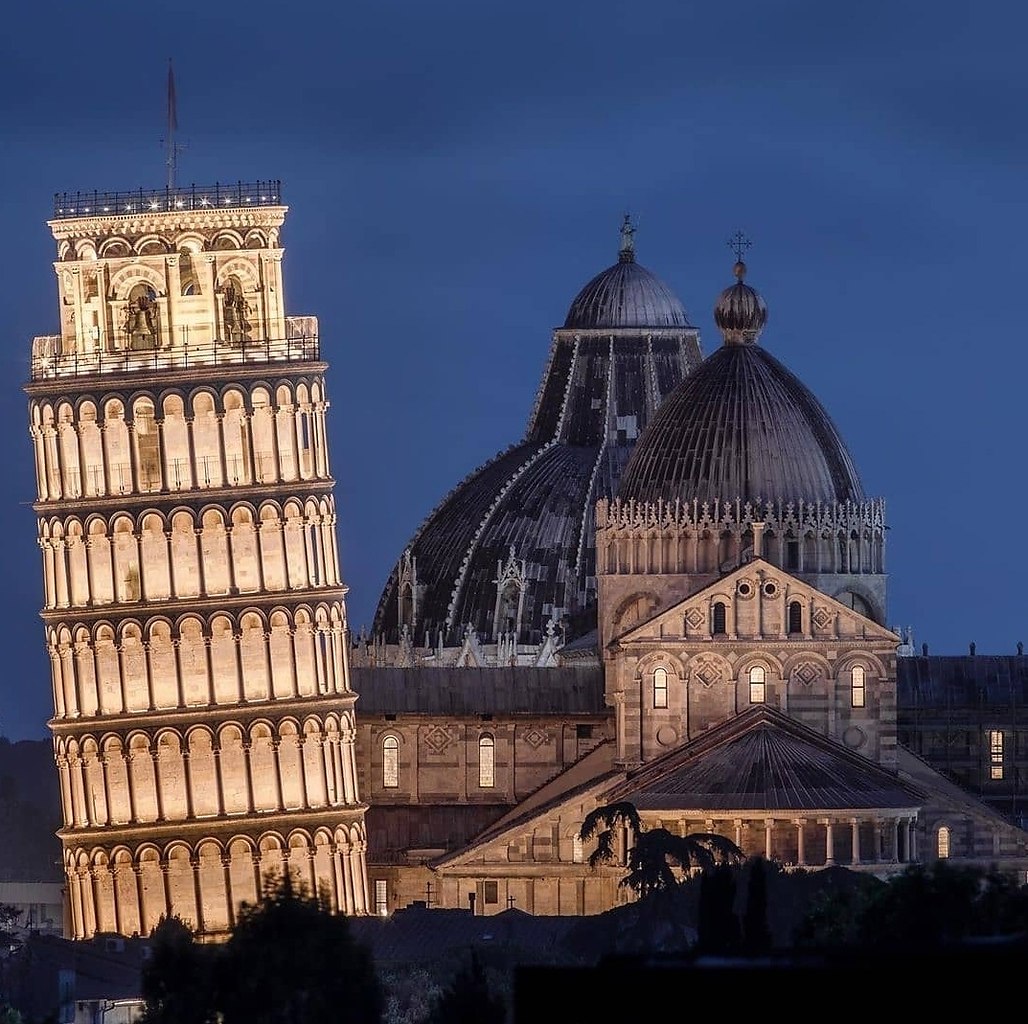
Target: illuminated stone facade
x=194 y=612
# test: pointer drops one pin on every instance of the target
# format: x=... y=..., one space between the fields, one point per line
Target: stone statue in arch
x=235 y=309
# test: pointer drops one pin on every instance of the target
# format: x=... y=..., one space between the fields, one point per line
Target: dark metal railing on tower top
x=218 y=196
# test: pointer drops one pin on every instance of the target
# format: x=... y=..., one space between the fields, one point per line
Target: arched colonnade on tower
x=128 y=889
x=147 y=442
x=212 y=551
x=134 y=777
x=224 y=659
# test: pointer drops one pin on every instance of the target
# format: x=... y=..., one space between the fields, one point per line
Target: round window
x=745 y=589
x=771 y=588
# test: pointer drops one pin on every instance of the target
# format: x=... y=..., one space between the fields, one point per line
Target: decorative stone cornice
x=164 y=221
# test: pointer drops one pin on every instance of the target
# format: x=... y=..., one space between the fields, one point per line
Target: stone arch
x=285 y=432
x=272 y=547
x=253 y=656
x=203 y=774
x=215 y=909
x=245 y=556
x=116 y=442
x=244 y=870
x=294 y=533
x=156 y=568
x=225 y=661
x=206 y=439
x=280 y=654
x=226 y=240
x=217 y=570
x=142 y=780
x=633 y=610
x=192 y=662
x=181 y=886
x=178 y=469
x=262 y=427
x=185 y=561
x=171 y=776
x=151 y=245
x=126 y=892
x=125 y=279
x=114 y=247
x=163 y=664
x=235 y=772
x=860 y=599
x=236 y=436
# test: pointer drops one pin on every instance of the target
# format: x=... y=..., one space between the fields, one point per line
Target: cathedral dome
x=625 y=295
x=527 y=517
x=741 y=426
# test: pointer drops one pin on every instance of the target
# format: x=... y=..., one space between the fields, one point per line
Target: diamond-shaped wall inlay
x=806 y=673
x=822 y=618
x=708 y=674
x=535 y=738
x=695 y=618
x=437 y=739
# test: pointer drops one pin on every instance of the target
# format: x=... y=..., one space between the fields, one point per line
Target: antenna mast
x=169 y=141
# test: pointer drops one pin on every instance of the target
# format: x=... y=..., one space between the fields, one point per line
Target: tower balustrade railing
x=54 y=357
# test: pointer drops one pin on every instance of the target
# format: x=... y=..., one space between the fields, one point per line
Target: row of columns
x=79 y=677
x=274 y=569
x=695 y=552
x=60 y=477
x=209 y=911
x=335 y=783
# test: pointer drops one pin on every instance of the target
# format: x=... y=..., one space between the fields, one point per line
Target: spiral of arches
x=127 y=888
x=215 y=550
x=145 y=442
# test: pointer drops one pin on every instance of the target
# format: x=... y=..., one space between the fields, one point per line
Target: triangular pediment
x=758 y=582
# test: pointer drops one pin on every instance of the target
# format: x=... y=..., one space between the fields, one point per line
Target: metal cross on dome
x=739 y=243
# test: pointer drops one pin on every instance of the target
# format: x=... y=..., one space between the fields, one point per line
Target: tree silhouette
x=177 y=980
x=756 y=935
x=291 y=961
x=717 y=923
x=656 y=853
x=468 y=999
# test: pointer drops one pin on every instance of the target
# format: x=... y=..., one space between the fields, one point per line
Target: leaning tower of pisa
x=194 y=612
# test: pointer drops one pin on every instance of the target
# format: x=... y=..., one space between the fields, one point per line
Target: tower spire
x=626 y=252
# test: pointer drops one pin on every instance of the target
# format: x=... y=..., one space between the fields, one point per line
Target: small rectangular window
x=996 y=755
x=381 y=897
x=491 y=892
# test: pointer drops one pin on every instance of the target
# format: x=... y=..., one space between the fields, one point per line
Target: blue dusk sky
x=455 y=171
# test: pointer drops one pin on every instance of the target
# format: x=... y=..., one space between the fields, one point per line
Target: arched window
x=660 y=687
x=795 y=617
x=390 y=762
x=942 y=843
x=717 y=619
x=486 y=762
x=857 y=695
x=757 y=684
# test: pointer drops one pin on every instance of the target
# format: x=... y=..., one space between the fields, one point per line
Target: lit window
x=857 y=687
x=390 y=762
x=577 y=856
x=660 y=688
x=487 y=762
x=717 y=622
x=381 y=897
x=491 y=892
x=996 y=754
x=757 y=679
x=943 y=842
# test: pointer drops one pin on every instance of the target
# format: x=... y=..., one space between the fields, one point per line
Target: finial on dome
x=626 y=254
x=740 y=312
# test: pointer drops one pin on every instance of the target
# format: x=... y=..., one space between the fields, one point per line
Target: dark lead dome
x=625 y=295
x=741 y=426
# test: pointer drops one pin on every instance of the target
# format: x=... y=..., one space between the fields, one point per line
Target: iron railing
x=161 y=200
x=50 y=362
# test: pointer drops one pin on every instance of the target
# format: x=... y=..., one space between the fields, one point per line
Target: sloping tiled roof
x=764 y=760
x=480 y=691
x=962 y=681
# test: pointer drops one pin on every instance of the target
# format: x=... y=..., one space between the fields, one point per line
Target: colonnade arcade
x=143 y=442
x=806 y=838
x=160 y=555
x=127 y=888
x=224 y=659
x=133 y=777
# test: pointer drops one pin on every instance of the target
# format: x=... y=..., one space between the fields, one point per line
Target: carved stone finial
x=626 y=253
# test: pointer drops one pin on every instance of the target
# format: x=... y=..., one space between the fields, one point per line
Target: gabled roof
x=764 y=760
x=857 y=624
